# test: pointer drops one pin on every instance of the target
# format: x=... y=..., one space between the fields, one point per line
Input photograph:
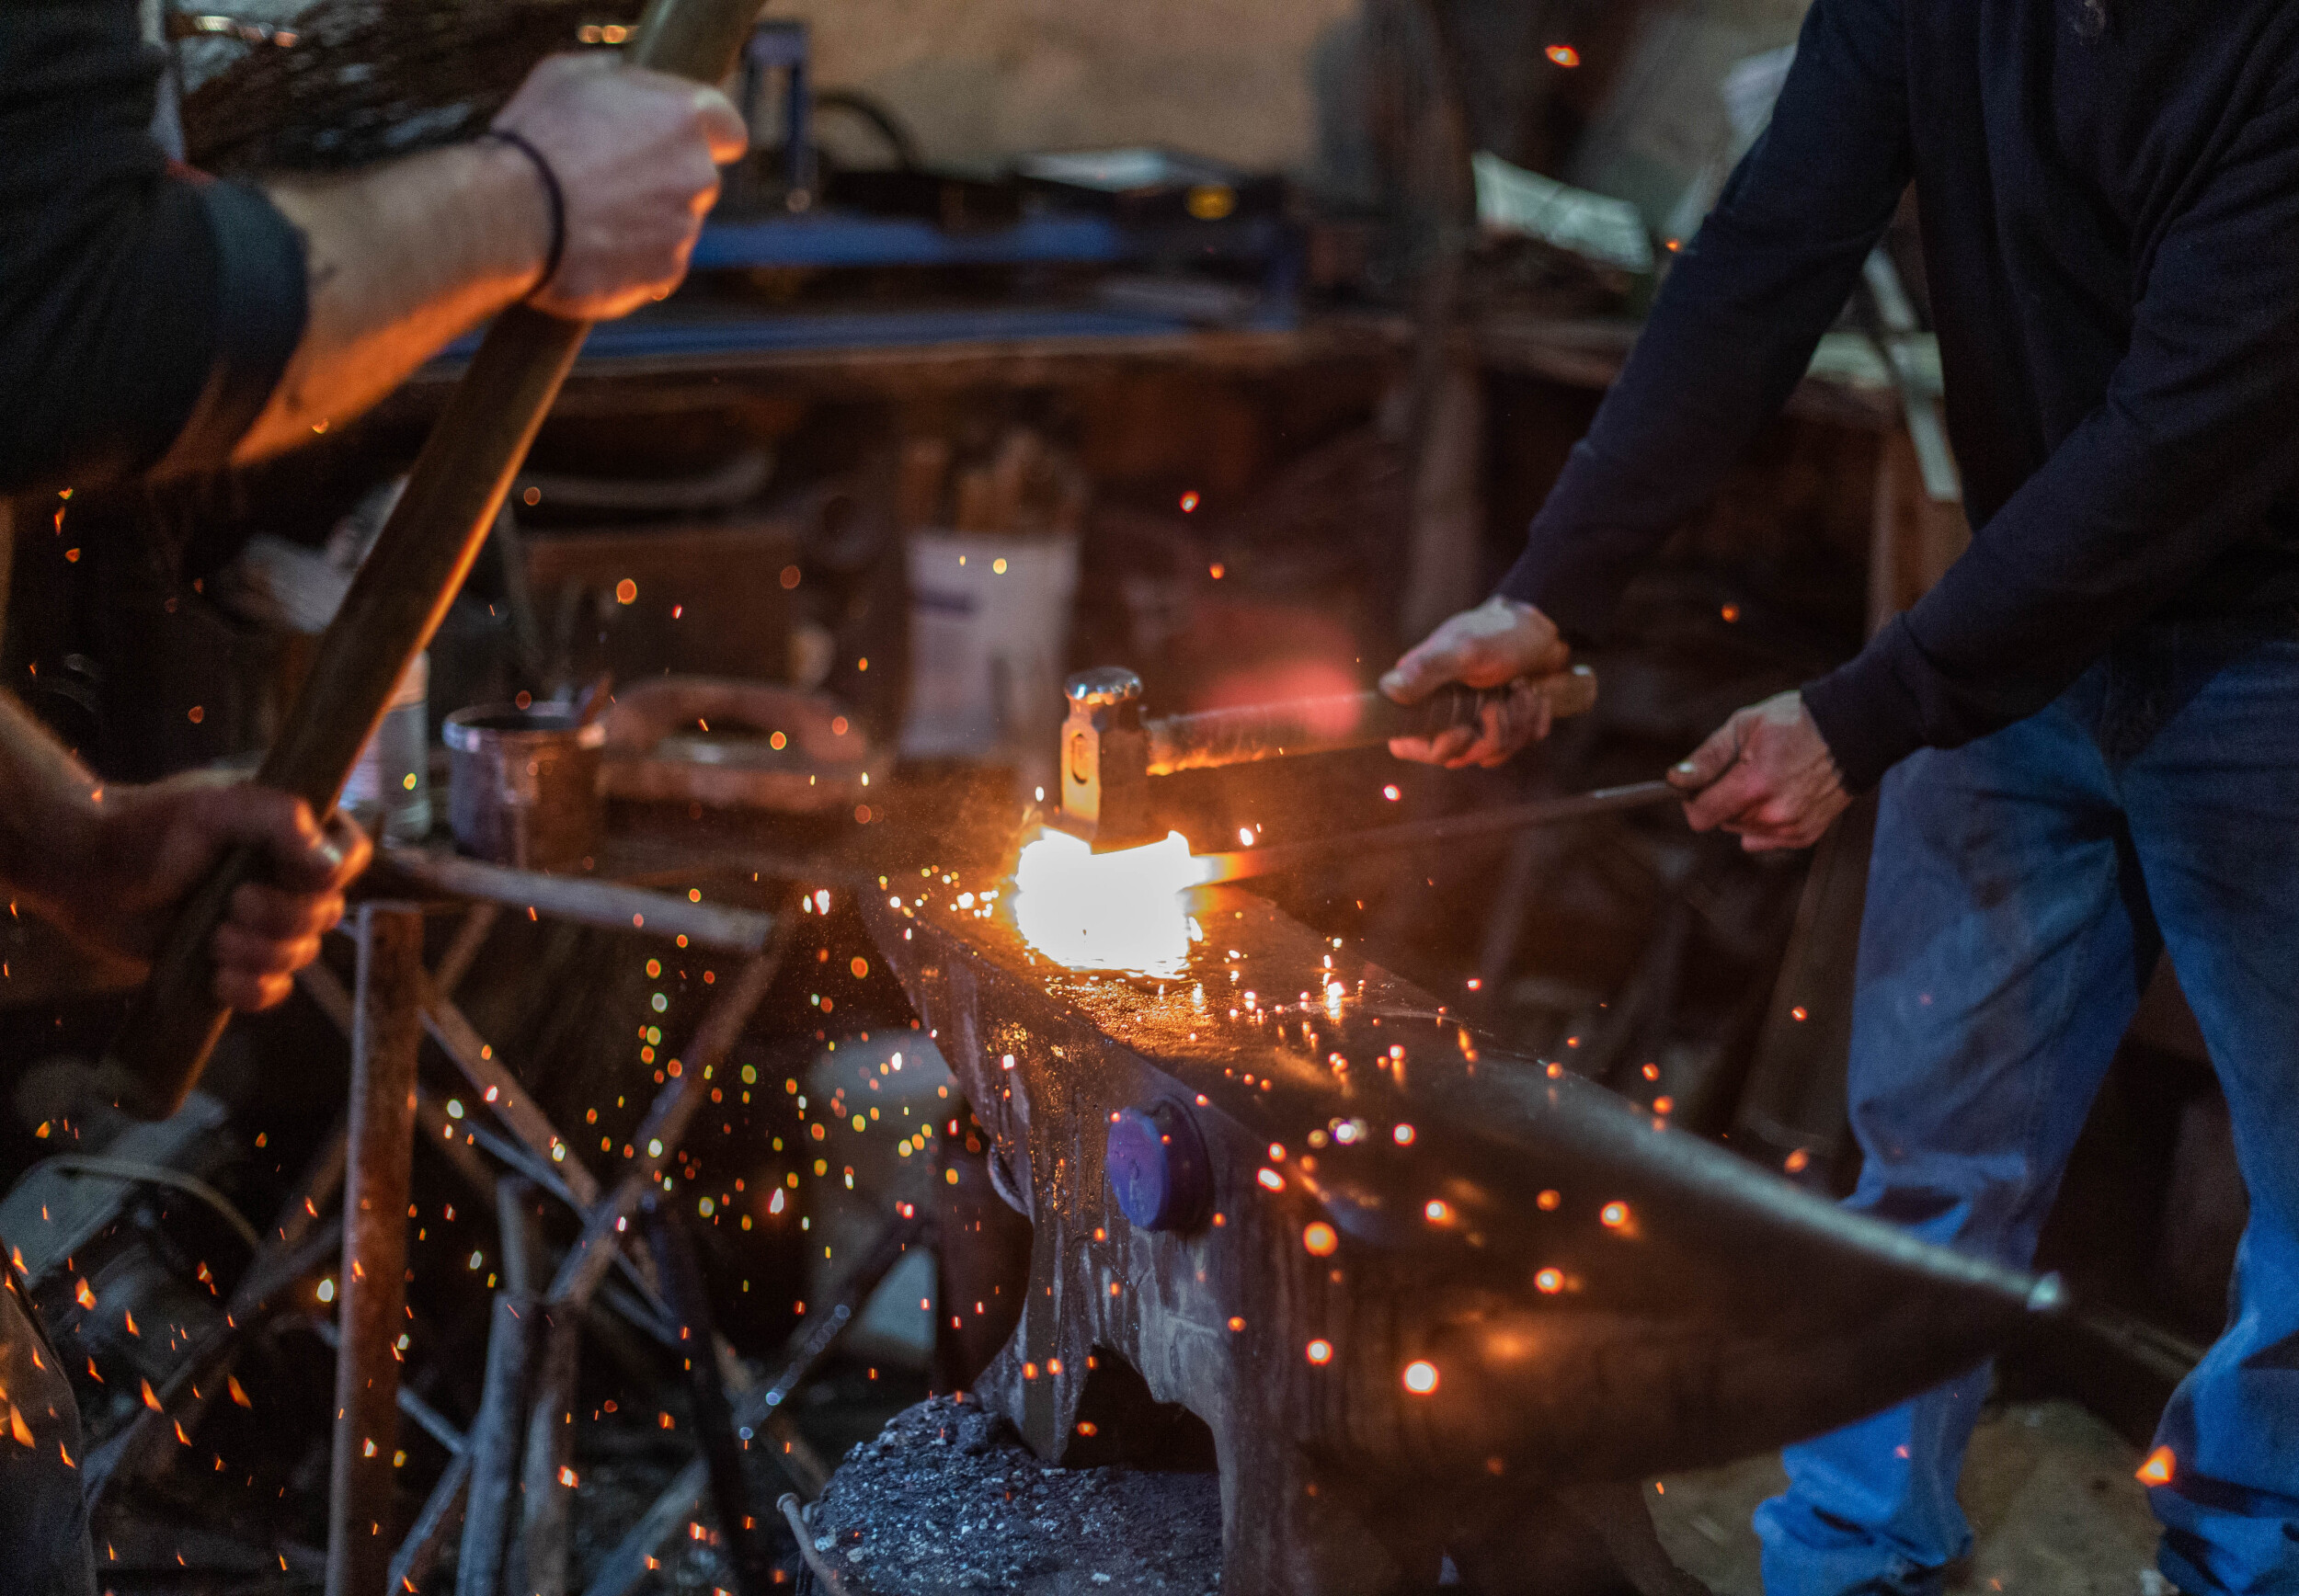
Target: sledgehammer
x=397 y=602
x=1109 y=750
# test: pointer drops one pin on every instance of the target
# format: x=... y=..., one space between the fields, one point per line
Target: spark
x=1564 y=55
x=1319 y=1351
x=1319 y=1241
x=2158 y=1468
x=1420 y=1377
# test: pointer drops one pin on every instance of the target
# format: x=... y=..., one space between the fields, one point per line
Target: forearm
x=401 y=259
x=1732 y=335
x=48 y=806
x=1736 y=324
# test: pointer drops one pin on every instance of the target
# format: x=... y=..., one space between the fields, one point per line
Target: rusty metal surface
x=1599 y=1296
x=385 y=1033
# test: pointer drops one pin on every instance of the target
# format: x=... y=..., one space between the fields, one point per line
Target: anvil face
x=1418 y=1261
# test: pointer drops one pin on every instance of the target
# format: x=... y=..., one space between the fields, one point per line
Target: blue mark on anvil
x=1157 y=1168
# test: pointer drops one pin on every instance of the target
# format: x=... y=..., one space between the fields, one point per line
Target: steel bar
x=681 y=1275
x=428 y=1537
x=1245 y=863
x=500 y=1090
x=547 y=1477
x=493 y=1446
x=586 y=900
x=517 y=1224
x=385 y=1035
x=397 y=602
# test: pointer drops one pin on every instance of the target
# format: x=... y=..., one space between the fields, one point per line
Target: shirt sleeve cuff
x=260 y=309
x=1865 y=710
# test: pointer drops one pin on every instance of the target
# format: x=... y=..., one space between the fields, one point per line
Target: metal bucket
x=523 y=785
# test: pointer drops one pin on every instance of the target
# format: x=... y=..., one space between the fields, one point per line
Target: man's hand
x=1498 y=641
x=636 y=154
x=1766 y=775
x=139 y=851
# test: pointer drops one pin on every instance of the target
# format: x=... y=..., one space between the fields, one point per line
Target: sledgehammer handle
x=397 y=602
x=1238 y=736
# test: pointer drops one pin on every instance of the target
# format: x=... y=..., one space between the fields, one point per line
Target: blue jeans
x=2021 y=890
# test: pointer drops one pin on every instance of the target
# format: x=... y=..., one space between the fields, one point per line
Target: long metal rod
x=385 y=1035
x=492 y=1446
x=681 y=1275
x=1245 y=863
x=586 y=900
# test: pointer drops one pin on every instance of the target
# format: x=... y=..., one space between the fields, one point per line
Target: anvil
x=1109 y=749
x=1414 y=1286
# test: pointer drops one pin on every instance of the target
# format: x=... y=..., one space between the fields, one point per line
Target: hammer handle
x=1218 y=737
x=396 y=602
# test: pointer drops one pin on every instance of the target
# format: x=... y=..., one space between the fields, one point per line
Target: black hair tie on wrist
x=553 y=192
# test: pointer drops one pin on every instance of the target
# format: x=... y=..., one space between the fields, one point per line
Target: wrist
x=513 y=187
x=544 y=179
x=56 y=835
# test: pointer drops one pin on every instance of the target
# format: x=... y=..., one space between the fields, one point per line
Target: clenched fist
x=1766 y=775
x=117 y=871
x=1499 y=641
x=636 y=154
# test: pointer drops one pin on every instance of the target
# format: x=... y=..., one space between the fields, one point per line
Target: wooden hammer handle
x=1218 y=737
x=396 y=602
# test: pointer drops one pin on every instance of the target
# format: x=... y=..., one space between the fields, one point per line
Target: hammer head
x=1105 y=762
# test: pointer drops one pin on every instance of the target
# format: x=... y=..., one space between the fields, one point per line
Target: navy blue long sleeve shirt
x=2111 y=227
x=146 y=313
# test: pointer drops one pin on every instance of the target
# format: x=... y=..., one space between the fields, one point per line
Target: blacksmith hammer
x=397 y=602
x=1109 y=749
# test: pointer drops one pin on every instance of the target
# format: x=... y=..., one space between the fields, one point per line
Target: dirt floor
x=945 y=1502
x=2054 y=1511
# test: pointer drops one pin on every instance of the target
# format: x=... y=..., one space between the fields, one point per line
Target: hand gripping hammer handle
x=1237 y=736
x=396 y=602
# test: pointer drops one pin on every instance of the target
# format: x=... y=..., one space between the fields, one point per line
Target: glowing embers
x=1107 y=911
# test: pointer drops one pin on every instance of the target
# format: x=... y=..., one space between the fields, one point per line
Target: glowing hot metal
x=1108 y=911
